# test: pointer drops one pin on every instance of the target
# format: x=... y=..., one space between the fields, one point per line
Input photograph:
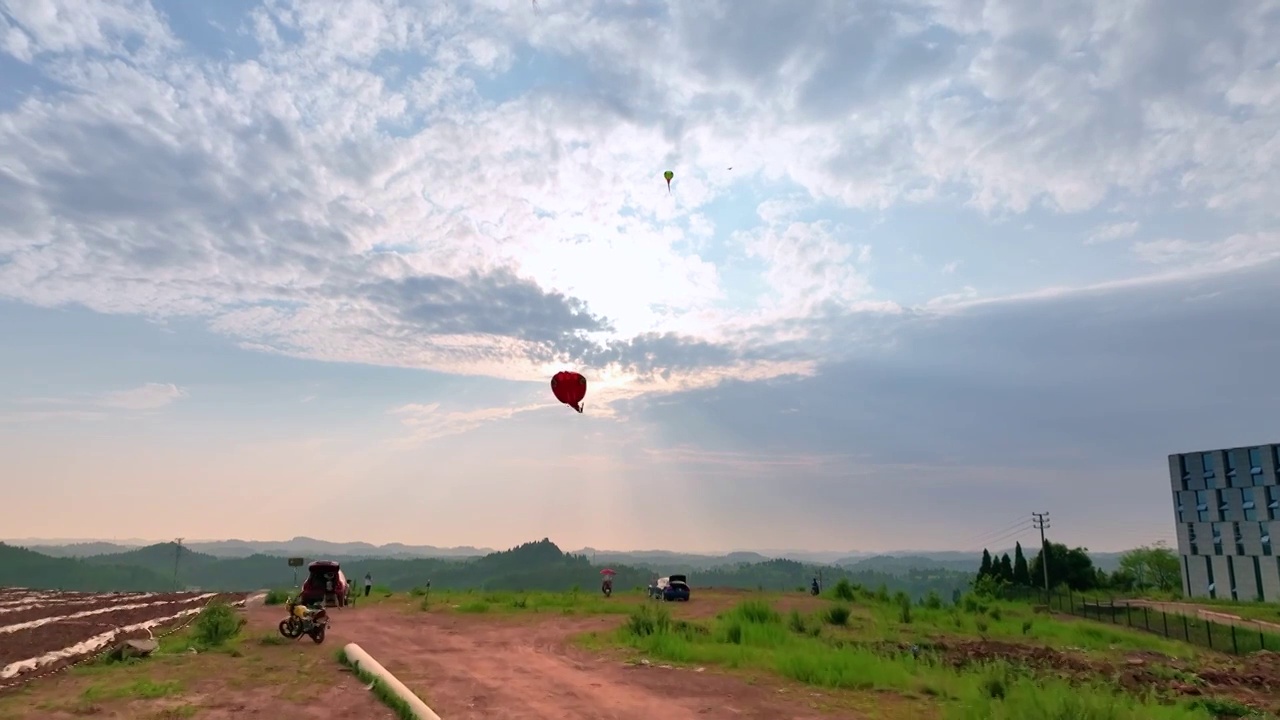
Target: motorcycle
x=606 y=587
x=303 y=620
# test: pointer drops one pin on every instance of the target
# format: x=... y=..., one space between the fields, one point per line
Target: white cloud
x=346 y=194
x=1112 y=231
x=150 y=396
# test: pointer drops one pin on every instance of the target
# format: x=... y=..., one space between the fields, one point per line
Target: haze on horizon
x=284 y=268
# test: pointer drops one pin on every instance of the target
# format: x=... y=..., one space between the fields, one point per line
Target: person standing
x=368 y=583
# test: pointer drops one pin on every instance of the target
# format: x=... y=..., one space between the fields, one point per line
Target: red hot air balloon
x=569 y=388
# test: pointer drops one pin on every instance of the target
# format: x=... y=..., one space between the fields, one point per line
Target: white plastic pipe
x=364 y=661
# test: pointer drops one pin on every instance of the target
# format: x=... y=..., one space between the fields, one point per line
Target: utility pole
x=1041 y=521
x=177 y=555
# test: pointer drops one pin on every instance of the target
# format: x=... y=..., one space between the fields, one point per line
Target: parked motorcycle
x=305 y=620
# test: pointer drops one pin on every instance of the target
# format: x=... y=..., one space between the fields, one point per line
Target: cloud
x=1112 y=231
x=475 y=189
x=1003 y=408
x=428 y=422
x=148 y=396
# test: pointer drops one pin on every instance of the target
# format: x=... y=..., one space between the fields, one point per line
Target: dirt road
x=523 y=668
x=1208 y=612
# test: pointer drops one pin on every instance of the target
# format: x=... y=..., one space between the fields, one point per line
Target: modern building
x=1227 y=505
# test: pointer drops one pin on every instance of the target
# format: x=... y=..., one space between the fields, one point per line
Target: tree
x=985 y=569
x=1152 y=566
x=1021 y=576
x=1006 y=568
x=1071 y=567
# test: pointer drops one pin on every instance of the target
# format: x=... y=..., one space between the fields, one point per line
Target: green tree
x=1006 y=568
x=986 y=568
x=1021 y=576
x=1152 y=566
x=1070 y=567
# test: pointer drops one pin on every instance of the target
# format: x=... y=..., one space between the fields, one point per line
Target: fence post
x=1146 y=618
x=1071 y=601
x=1262 y=638
x=1112 y=601
x=1186 y=629
x=1208 y=629
x=1165 y=615
x=1235 y=646
x=1128 y=618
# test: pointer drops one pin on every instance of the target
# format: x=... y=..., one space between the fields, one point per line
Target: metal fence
x=1239 y=637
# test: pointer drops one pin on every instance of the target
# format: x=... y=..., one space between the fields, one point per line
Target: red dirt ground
x=27 y=643
x=523 y=667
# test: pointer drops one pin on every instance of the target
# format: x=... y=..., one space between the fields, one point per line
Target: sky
x=925 y=267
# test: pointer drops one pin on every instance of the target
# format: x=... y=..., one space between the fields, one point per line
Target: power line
x=996 y=541
x=1041 y=521
x=990 y=535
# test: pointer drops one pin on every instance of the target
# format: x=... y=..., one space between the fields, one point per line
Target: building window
x=1257 y=577
x=1273 y=501
x=1239 y=538
x=1224 y=509
x=1208 y=566
x=1265 y=534
x=1231 y=578
x=1255 y=461
x=1230 y=465
x=1183 y=472
x=1191 y=539
x=1248 y=505
x=1206 y=467
x=1217 y=539
x=1202 y=505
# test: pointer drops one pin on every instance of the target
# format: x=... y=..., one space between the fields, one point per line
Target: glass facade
x=1226 y=505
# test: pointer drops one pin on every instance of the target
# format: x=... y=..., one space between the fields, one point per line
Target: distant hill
x=20 y=567
x=310 y=548
x=954 y=560
x=79 y=550
x=537 y=565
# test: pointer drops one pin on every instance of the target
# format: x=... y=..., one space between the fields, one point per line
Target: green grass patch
x=143 y=688
x=754 y=636
x=568 y=603
x=277 y=597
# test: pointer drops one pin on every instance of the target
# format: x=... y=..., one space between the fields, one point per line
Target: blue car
x=677 y=589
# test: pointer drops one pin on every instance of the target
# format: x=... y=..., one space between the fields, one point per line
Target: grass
x=842 y=648
x=569 y=603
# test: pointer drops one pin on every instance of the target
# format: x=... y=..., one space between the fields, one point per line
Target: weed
x=795 y=621
x=142 y=689
x=844 y=590
x=277 y=597
x=838 y=615
x=216 y=625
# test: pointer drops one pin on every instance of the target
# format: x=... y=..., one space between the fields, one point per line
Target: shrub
x=933 y=601
x=904 y=610
x=217 y=624
x=843 y=590
x=277 y=597
x=796 y=622
x=755 y=612
x=838 y=615
x=647 y=621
